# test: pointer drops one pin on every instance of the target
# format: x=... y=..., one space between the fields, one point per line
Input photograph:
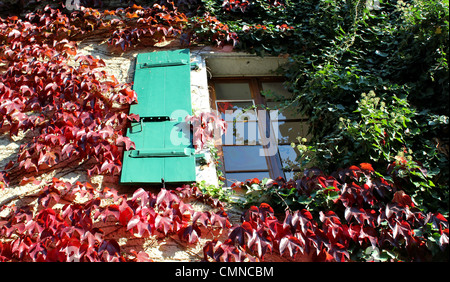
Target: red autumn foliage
x=368 y=213
x=76 y=112
x=366 y=167
x=403 y=199
x=74 y=109
x=74 y=232
x=206 y=126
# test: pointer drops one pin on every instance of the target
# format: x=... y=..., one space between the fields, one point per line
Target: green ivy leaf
x=381 y=54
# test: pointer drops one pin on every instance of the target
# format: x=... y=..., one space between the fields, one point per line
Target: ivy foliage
x=339 y=52
x=371 y=75
x=361 y=215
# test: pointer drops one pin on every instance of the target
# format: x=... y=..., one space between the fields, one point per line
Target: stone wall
x=121 y=65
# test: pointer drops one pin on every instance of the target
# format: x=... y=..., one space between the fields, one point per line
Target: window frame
x=274 y=163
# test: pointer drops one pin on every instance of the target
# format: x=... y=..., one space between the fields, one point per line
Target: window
x=258 y=140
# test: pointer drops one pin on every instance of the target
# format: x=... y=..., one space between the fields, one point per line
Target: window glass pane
x=274 y=90
x=239 y=111
x=242 y=176
x=233 y=91
x=243 y=158
x=283 y=113
x=288 y=131
x=241 y=133
x=288 y=157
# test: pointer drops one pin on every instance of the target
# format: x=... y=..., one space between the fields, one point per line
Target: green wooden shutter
x=163 y=141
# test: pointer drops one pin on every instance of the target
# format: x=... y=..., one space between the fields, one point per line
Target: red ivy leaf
x=126 y=141
x=163 y=224
x=393 y=209
x=339 y=252
x=238 y=232
x=325 y=256
x=300 y=219
x=366 y=167
x=261 y=242
x=141 y=256
x=112 y=210
x=208 y=249
x=359 y=214
x=292 y=244
x=111 y=247
x=190 y=233
x=165 y=197
x=402 y=199
x=265 y=210
x=402 y=228
x=125 y=216
x=31 y=179
x=139 y=223
x=141 y=194
x=202 y=217
x=222 y=218
x=133 y=222
x=228 y=251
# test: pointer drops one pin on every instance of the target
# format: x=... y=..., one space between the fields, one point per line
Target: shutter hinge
x=165 y=152
x=163 y=64
x=156 y=119
x=152 y=119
